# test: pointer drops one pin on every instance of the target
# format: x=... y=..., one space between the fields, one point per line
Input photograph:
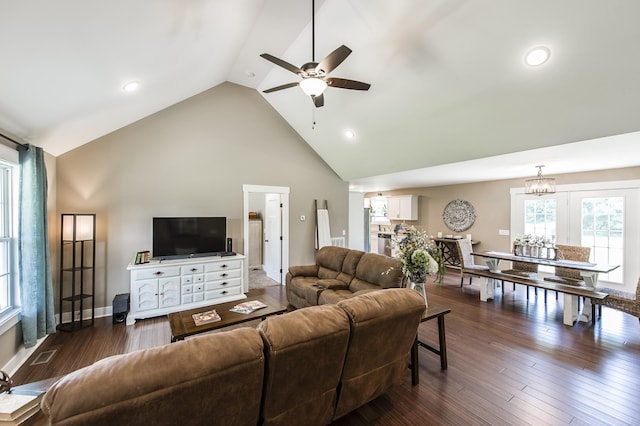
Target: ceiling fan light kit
x=313 y=86
x=314 y=75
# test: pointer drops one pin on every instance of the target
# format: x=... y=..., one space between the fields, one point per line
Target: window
x=7 y=295
x=602 y=229
x=540 y=218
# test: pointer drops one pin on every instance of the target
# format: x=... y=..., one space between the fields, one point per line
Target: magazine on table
x=206 y=317
x=18 y=405
x=248 y=307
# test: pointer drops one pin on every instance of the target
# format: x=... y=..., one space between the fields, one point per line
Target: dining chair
x=522 y=269
x=566 y=275
x=466 y=259
x=628 y=303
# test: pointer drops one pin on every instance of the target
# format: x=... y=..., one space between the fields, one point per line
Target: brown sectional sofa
x=339 y=274
x=309 y=366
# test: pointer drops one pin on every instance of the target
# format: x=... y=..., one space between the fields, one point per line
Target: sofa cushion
x=384 y=324
x=349 y=266
x=303 y=291
x=375 y=271
x=329 y=260
x=305 y=352
x=217 y=376
x=332 y=284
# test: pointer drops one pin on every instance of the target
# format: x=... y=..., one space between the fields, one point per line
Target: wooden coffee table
x=182 y=324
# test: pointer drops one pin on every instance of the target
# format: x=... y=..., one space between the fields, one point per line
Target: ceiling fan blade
x=318 y=101
x=284 y=86
x=333 y=59
x=343 y=83
x=284 y=64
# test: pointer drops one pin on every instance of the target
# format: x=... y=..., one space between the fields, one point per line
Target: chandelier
x=540 y=185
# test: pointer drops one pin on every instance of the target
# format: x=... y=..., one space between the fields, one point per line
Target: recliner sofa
x=339 y=274
x=309 y=366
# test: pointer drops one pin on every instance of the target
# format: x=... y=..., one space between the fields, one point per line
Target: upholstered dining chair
x=466 y=259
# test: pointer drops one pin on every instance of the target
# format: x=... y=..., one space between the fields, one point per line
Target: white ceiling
x=451 y=99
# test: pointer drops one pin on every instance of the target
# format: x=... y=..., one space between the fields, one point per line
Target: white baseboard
x=21 y=357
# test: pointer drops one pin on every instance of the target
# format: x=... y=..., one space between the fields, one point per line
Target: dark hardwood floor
x=510 y=362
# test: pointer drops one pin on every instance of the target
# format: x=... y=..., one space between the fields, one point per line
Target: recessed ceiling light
x=349 y=134
x=131 y=86
x=250 y=74
x=537 y=56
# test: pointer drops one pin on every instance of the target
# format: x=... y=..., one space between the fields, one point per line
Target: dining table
x=589 y=273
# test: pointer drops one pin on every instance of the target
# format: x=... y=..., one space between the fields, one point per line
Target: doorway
x=276 y=228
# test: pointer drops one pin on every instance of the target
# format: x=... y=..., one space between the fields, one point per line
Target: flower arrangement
x=420 y=256
x=534 y=246
x=532 y=240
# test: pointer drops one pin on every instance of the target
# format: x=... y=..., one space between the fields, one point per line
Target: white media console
x=161 y=287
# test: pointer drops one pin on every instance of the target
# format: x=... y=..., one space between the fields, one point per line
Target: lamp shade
x=313 y=86
x=78 y=227
x=540 y=185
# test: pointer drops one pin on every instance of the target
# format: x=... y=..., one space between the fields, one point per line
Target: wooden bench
x=487 y=289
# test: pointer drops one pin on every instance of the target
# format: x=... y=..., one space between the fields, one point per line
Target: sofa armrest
x=304 y=271
x=331 y=284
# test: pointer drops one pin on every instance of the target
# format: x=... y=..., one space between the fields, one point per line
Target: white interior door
x=249 y=191
x=273 y=236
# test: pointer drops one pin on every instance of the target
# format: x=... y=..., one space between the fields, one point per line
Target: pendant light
x=540 y=185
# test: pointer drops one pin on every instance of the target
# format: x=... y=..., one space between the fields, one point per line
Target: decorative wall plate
x=459 y=215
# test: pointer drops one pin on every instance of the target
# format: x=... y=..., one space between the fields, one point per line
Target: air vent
x=44 y=357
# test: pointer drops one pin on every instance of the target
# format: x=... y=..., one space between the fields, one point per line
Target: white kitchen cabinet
x=403 y=207
x=159 y=288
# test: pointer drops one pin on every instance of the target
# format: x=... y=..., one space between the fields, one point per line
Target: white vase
x=420 y=288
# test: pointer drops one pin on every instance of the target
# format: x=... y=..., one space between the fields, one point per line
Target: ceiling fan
x=314 y=74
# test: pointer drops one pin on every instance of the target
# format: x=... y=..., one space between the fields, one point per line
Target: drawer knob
x=223 y=266
x=224 y=275
x=194 y=269
x=158 y=273
x=224 y=283
x=224 y=292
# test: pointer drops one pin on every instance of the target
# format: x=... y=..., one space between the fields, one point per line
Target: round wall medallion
x=459 y=215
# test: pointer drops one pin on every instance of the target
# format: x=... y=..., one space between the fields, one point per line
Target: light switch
x=503 y=232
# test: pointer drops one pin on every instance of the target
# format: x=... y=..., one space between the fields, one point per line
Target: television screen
x=188 y=236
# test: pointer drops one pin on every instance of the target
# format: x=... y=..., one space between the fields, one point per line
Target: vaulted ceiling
x=451 y=98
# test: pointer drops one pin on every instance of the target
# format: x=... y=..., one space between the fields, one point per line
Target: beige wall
x=192 y=159
x=492 y=203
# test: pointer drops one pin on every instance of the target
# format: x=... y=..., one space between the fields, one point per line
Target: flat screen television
x=176 y=237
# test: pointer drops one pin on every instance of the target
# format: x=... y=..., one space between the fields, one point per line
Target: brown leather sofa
x=339 y=274
x=309 y=366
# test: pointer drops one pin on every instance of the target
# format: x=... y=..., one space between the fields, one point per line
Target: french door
x=584 y=215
